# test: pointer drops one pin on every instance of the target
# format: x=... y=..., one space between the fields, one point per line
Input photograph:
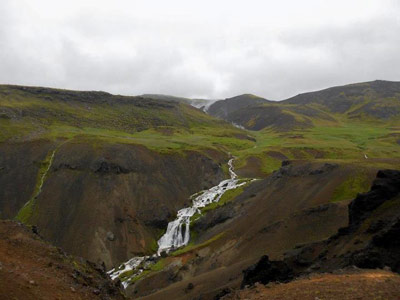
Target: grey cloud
x=179 y=57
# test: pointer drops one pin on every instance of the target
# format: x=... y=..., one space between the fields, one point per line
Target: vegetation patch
x=191 y=246
x=226 y=197
x=26 y=211
x=348 y=189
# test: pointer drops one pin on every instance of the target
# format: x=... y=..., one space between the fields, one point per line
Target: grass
x=26 y=211
x=177 y=127
x=168 y=127
x=191 y=246
x=344 y=141
x=354 y=184
x=157 y=267
x=225 y=198
x=153 y=244
x=161 y=128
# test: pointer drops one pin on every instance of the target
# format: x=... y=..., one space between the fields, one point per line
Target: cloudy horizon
x=204 y=49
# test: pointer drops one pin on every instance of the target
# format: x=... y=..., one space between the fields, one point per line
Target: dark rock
x=376 y=226
x=157 y=222
x=214 y=217
x=4 y=116
x=384 y=187
x=265 y=271
x=35 y=229
x=327 y=167
x=389 y=238
x=369 y=259
x=105 y=167
x=222 y=293
x=318 y=209
x=189 y=287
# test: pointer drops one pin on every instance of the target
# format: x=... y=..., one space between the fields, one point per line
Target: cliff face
x=19 y=168
x=102 y=201
x=369 y=241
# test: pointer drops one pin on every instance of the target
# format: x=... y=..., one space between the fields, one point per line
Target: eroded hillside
x=101 y=175
x=33 y=269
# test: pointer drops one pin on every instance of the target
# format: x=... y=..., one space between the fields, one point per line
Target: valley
x=147 y=186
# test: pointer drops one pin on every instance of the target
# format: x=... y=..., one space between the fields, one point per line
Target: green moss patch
x=27 y=210
x=191 y=246
x=354 y=184
x=226 y=197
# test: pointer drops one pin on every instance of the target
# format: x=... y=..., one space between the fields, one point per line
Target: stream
x=178 y=231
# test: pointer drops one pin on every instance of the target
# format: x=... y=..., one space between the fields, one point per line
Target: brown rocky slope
x=32 y=269
x=371 y=240
x=291 y=207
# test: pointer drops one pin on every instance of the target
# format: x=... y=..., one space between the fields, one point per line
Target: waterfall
x=178 y=230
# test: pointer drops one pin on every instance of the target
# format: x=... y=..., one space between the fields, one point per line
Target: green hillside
x=303 y=127
x=358 y=123
x=28 y=113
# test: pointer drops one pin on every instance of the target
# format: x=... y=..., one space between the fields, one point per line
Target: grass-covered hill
x=31 y=113
x=224 y=108
x=101 y=175
x=377 y=101
x=353 y=122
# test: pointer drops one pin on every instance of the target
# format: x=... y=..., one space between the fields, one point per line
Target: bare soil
x=33 y=269
x=357 y=284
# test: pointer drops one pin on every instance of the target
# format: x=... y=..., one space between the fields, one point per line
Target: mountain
x=377 y=100
x=105 y=177
x=198 y=103
x=101 y=175
x=223 y=108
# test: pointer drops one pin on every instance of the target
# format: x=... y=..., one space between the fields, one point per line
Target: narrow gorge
x=177 y=234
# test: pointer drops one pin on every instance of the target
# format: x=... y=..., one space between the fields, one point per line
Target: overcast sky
x=209 y=48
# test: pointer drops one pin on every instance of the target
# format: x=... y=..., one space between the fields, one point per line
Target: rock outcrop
x=371 y=240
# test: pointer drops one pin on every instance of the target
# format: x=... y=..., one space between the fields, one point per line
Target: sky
x=202 y=49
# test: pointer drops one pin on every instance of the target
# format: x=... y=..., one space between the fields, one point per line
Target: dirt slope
x=344 y=284
x=31 y=269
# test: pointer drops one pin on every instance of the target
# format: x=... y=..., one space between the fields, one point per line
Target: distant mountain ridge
x=376 y=100
x=202 y=104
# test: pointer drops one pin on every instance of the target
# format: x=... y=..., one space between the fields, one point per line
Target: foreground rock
x=343 y=284
x=30 y=268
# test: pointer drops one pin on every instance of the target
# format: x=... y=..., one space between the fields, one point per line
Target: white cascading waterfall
x=178 y=231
